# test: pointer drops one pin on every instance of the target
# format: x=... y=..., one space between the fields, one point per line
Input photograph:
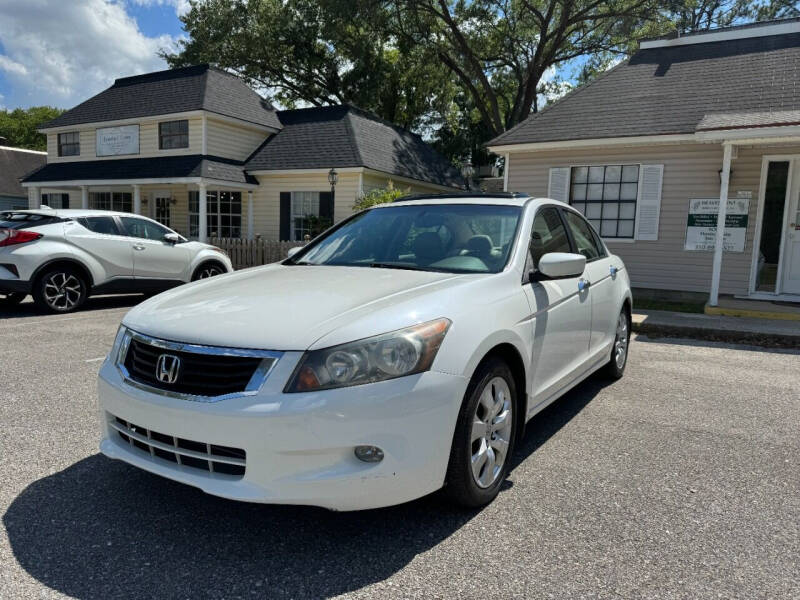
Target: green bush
x=380 y=196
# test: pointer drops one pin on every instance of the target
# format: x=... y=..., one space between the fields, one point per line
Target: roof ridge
x=353 y=136
x=15 y=149
x=178 y=71
x=558 y=101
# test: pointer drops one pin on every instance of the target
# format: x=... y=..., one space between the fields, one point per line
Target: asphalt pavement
x=682 y=480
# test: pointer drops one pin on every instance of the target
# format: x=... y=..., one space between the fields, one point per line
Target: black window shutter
x=286 y=213
x=326 y=206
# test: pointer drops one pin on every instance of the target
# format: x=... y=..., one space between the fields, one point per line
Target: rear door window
x=103 y=225
x=585 y=241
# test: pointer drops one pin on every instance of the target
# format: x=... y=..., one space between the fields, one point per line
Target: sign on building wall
x=118 y=141
x=701 y=228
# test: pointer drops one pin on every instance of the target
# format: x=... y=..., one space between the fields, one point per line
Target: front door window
x=162 y=211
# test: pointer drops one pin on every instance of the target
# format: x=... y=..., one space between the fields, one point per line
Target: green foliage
x=380 y=196
x=19 y=126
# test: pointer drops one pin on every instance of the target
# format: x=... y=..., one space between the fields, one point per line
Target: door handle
x=583 y=284
x=138 y=247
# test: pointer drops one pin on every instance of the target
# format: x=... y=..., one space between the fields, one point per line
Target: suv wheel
x=484 y=436
x=60 y=290
x=207 y=270
x=11 y=299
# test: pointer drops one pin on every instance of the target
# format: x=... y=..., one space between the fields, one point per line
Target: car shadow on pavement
x=102 y=529
x=29 y=309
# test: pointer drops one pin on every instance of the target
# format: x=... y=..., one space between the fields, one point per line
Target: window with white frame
x=59 y=200
x=162 y=212
x=304 y=211
x=69 y=144
x=224 y=214
x=606 y=195
x=119 y=201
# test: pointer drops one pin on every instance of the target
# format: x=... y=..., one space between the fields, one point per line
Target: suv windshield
x=452 y=238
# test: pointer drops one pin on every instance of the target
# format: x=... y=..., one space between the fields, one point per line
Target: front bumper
x=300 y=446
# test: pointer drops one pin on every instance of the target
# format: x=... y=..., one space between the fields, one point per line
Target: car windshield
x=451 y=238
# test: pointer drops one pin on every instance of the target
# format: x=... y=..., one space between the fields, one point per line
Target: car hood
x=282 y=307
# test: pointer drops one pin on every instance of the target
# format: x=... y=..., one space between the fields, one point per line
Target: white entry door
x=791 y=249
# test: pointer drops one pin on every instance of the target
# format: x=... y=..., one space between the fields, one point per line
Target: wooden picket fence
x=252 y=253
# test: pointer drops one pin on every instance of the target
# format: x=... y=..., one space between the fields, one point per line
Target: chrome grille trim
x=210 y=461
x=269 y=359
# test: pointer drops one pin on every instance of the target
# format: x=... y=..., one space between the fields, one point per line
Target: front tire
x=615 y=368
x=208 y=270
x=60 y=290
x=11 y=299
x=484 y=438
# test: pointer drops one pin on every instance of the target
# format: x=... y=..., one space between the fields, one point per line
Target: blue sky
x=61 y=52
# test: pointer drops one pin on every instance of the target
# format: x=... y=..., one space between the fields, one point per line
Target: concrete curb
x=663 y=326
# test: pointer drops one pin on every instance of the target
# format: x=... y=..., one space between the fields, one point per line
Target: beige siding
x=148 y=143
x=231 y=141
x=373 y=182
x=266 y=198
x=690 y=171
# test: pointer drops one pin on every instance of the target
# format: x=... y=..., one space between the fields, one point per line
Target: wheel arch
x=207 y=260
x=70 y=262
x=511 y=355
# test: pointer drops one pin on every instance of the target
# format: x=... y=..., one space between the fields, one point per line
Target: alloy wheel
x=621 y=343
x=62 y=291
x=211 y=271
x=491 y=432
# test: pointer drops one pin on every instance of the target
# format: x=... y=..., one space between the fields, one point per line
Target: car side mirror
x=562 y=265
x=293 y=251
x=172 y=238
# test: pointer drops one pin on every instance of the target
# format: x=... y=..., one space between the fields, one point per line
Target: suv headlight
x=387 y=356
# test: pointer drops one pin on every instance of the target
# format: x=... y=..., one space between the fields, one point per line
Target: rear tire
x=60 y=290
x=12 y=299
x=615 y=368
x=484 y=438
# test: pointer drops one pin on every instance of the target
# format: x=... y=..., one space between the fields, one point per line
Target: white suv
x=63 y=256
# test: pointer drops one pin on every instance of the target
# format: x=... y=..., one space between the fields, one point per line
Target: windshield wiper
x=385 y=265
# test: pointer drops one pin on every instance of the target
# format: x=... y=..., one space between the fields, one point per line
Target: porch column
x=202 y=213
x=137 y=199
x=34 y=197
x=250 y=234
x=84 y=197
x=727 y=151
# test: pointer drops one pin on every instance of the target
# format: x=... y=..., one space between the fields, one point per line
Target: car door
x=600 y=280
x=154 y=258
x=562 y=312
x=101 y=238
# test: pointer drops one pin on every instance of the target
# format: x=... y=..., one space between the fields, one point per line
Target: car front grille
x=198 y=374
x=198 y=455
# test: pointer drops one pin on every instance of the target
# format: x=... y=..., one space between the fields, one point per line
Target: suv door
x=101 y=238
x=600 y=281
x=154 y=258
x=562 y=312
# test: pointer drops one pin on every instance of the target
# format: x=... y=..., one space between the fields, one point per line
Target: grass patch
x=685 y=307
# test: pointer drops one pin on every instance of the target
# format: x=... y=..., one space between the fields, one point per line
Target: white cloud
x=62 y=52
x=181 y=6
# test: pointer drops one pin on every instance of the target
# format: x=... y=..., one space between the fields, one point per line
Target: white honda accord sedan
x=400 y=352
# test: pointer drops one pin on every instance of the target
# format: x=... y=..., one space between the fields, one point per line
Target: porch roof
x=126 y=169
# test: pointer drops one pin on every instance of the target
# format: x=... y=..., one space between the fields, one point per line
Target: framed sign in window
x=118 y=141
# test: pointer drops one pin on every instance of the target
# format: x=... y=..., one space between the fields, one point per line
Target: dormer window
x=69 y=144
x=173 y=134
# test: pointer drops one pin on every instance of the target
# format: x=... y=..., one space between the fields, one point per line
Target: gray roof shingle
x=671 y=90
x=345 y=136
x=193 y=165
x=198 y=87
x=15 y=164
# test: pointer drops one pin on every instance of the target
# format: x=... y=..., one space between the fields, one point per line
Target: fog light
x=369 y=453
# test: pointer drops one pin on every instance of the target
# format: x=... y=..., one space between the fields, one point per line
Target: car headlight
x=387 y=356
x=120 y=347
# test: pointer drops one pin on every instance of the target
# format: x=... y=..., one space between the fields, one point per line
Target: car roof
x=499 y=199
x=73 y=213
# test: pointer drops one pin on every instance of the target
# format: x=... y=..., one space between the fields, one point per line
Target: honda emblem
x=167 y=368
